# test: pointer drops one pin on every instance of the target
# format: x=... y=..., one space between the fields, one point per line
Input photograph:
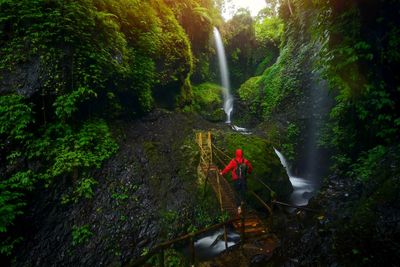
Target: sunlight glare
x=253 y=5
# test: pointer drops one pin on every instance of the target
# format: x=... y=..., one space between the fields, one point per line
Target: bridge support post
x=161 y=258
x=192 y=251
x=242 y=233
x=225 y=237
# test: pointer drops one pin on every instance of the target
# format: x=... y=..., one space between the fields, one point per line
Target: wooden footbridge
x=208 y=171
x=256 y=237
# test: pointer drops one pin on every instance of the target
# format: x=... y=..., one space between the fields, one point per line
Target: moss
x=282 y=79
x=208 y=101
x=249 y=90
x=154 y=157
x=175 y=52
x=185 y=97
x=266 y=63
x=249 y=94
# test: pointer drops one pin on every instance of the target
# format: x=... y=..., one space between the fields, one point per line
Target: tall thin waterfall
x=223 y=67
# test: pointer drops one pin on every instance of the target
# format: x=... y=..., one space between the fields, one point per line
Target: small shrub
x=85 y=188
x=81 y=234
x=368 y=163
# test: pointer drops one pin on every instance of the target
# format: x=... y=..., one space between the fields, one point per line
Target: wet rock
x=24 y=79
x=124 y=215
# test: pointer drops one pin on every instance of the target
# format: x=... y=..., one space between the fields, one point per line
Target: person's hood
x=239 y=154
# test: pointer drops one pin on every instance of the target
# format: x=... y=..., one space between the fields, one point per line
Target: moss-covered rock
x=246 y=112
x=207 y=101
x=266 y=164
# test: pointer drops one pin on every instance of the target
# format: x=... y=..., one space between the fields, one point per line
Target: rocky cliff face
x=24 y=80
x=153 y=173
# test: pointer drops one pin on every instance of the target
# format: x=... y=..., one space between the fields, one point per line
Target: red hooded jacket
x=233 y=165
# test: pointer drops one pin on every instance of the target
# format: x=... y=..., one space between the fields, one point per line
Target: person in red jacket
x=240 y=168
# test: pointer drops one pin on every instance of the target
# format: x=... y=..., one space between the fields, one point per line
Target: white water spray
x=302 y=188
x=223 y=67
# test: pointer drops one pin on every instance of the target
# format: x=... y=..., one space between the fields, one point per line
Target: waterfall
x=302 y=189
x=223 y=67
x=283 y=162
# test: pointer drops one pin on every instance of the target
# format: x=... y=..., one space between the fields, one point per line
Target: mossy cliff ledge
x=207 y=101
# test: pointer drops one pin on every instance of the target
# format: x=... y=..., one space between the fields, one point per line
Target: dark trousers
x=240 y=186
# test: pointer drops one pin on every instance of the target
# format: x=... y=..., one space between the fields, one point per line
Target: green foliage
x=283 y=79
x=15 y=117
x=175 y=46
x=207 y=93
x=65 y=105
x=81 y=234
x=86 y=60
x=269 y=29
x=206 y=210
x=224 y=217
x=292 y=134
x=368 y=162
x=61 y=150
x=267 y=62
x=22 y=180
x=208 y=101
x=119 y=196
x=11 y=205
x=84 y=188
x=197 y=18
x=251 y=44
x=87 y=148
x=97 y=44
x=359 y=68
x=172 y=258
x=7 y=246
x=249 y=92
x=240 y=46
x=369 y=230
x=169 y=219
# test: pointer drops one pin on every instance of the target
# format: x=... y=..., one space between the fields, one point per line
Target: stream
x=210 y=244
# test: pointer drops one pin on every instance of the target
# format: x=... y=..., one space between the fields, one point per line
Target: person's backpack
x=241 y=169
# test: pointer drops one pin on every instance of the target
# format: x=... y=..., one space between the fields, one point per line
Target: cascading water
x=223 y=67
x=302 y=188
x=213 y=243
